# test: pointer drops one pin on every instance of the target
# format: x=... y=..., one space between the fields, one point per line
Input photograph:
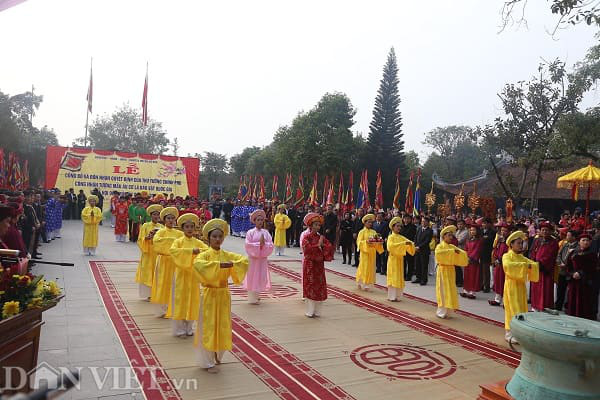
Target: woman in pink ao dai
x=259 y=246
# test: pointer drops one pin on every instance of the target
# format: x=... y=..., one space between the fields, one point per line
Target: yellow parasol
x=585 y=177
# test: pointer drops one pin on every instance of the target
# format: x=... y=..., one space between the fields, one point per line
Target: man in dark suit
x=488 y=235
x=72 y=204
x=409 y=231
x=330 y=225
x=422 y=250
x=358 y=225
x=381 y=227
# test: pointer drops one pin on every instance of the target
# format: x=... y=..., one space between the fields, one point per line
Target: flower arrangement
x=19 y=293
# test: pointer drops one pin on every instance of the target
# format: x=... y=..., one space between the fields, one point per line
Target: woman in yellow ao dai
x=447 y=256
x=165 y=267
x=213 y=268
x=282 y=222
x=365 y=274
x=185 y=300
x=91 y=217
x=398 y=246
x=145 y=271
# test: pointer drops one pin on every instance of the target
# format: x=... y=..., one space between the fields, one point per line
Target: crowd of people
x=180 y=245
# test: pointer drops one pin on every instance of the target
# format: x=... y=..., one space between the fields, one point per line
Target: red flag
x=341 y=192
x=300 y=192
x=239 y=195
x=325 y=191
x=90 y=93
x=575 y=192
x=367 y=202
x=378 y=192
x=288 y=188
x=330 y=197
x=145 y=100
x=397 y=191
x=350 y=195
x=275 y=189
x=261 y=193
x=408 y=204
x=25 y=174
x=312 y=198
x=9 y=171
x=2 y=169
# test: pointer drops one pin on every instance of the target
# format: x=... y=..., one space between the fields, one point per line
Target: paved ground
x=78 y=333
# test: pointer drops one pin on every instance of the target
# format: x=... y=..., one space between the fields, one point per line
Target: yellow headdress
x=516 y=235
x=215 y=223
x=169 y=210
x=368 y=217
x=187 y=217
x=154 y=208
x=449 y=229
x=394 y=221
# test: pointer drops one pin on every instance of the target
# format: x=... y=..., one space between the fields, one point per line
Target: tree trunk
x=500 y=180
x=538 y=176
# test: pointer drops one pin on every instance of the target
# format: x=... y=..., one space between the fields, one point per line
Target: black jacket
x=409 y=231
x=423 y=238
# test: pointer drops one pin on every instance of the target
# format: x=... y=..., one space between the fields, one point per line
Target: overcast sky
x=225 y=75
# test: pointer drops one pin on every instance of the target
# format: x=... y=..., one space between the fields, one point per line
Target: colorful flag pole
x=378 y=192
x=325 y=191
x=261 y=194
x=367 y=203
x=360 y=199
x=275 y=189
x=312 y=198
x=288 y=188
x=330 y=197
x=2 y=170
x=408 y=206
x=397 y=191
x=145 y=100
x=350 y=192
x=417 y=200
x=340 y=196
x=244 y=190
x=90 y=95
x=299 y=192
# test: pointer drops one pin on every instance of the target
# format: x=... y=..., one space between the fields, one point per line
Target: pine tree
x=385 y=147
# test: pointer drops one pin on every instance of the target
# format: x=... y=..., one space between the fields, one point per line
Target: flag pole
x=87 y=108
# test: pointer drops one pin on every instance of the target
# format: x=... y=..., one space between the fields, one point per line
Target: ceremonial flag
x=325 y=191
x=330 y=197
x=17 y=173
x=145 y=100
x=340 y=196
x=90 y=93
x=367 y=202
x=397 y=191
x=299 y=192
x=255 y=188
x=10 y=184
x=288 y=189
x=378 y=192
x=2 y=169
x=417 y=201
x=575 y=192
x=244 y=190
x=312 y=197
x=261 y=194
x=408 y=205
x=239 y=195
x=350 y=192
x=360 y=199
x=275 y=189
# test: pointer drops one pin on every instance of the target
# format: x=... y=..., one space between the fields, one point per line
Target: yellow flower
x=10 y=308
x=53 y=288
x=36 y=302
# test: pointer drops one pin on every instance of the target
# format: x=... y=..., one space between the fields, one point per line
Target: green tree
x=412 y=160
x=532 y=110
x=385 y=148
x=123 y=131
x=569 y=12
x=239 y=162
x=578 y=134
x=214 y=166
x=17 y=134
